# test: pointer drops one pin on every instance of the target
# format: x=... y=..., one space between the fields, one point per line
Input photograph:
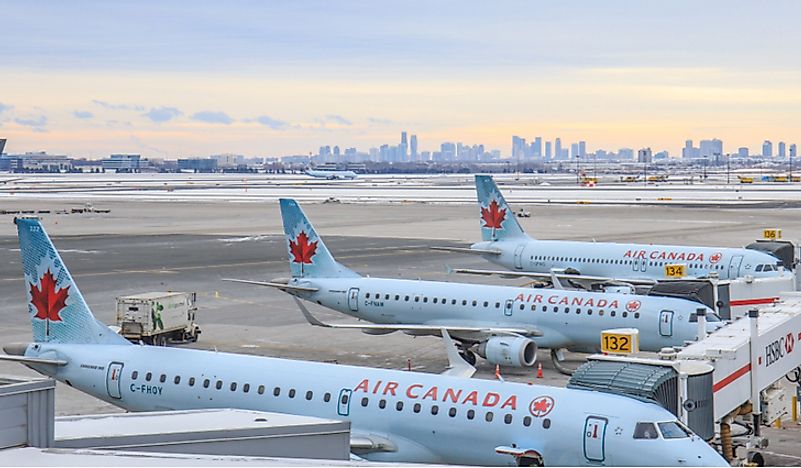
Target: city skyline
x=272 y=79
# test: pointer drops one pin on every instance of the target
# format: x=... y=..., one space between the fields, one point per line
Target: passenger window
x=533 y=307
x=206 y=383
x=453 y=301
x=276 y=391
x=191 y=381
x=416 y=298
x=365 y=400
x=545 y=308
x=176 y=380
x=406 y=298
x=527 y=421
x=233 y=386
x=134 y=375
x=397 y=297
x=625 y=314
x=507 y=419
x=382 y=404
x=148 y=376
x=645 y=430
x=386 y=297
x=309 y=395
x=343 y=399
x=546 y=423
x=425 y=299
x=434 y=409
x=522 y=306
x=219 y=385
x=489 y=416
x=601 y=312
x=486 y=303
x=474 y=302
x=261 y=389
x=435 y=300
x=246 y=388
x=636 y=315
x=416 y=408
x=292 y=393
x=452 y=412
x=471 y=414
x=327 y=397
x=556 y=309
x=578 y=311
x=399 y=406
x=567 y=310
x=589 y=311
x=672 y=430
x=367 y=296
x=612 y=313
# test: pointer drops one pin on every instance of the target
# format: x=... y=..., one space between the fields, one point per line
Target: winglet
x=457 y=367
x=308 y=315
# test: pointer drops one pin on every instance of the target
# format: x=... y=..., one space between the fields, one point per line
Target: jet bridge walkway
x=733 y=376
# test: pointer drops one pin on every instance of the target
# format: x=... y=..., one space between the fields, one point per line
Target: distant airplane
x=506 y=244
x=331 y=175
x=396 y=416
x=504 y=325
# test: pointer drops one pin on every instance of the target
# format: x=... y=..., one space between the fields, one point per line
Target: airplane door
x=666 y=323
x=519 y=256
x=734 y=266
x=353 y=299
x=343 y=408
x=508 y=308
x=635 y=264
x=113 y=380
x=595 y=438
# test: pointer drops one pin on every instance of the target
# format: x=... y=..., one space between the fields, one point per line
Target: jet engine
x=514 y=351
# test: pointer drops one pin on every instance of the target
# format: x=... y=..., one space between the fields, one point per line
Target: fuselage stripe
x=745 y=302
x=732 y=377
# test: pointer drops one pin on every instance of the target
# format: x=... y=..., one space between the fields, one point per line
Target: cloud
x=271 y=122
x=213 y=117
x=338 y=119
x=5 y=107
x=162 y=114
x=113 y=106
x=36 y=123
x=84 y=115
x=380 y=121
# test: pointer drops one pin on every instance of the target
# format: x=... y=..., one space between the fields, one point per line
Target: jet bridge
x=732 y=376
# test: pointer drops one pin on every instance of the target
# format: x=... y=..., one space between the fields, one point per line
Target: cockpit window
x=759 y=267
x=645 y=430
x=672 y=430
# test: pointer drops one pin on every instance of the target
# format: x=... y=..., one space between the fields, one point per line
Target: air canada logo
x=541 y=406
x=715 y=257
x=47 y=301
x=302 y=250
x=493 y=216
x=633 y=306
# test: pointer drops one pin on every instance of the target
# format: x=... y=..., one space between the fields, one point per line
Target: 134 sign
x=675 y=271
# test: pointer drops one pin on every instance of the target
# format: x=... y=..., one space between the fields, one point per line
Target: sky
x=175 y=79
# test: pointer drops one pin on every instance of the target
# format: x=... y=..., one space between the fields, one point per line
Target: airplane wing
x=549 y=276
x=30 y=360
x=362 y=443
x=466 y=250
x=389 y=328
x=270 y=284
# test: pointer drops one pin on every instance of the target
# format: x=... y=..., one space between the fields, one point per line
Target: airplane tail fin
x=498 y=221
x=57 y=309
x=308 y=255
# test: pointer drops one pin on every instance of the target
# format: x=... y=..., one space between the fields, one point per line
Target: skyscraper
x=536 y=147
x=710 y=149
x=518 y=147
x=557 y=154
x=582 y=149
x=782 y=150
x=548 y=155
x=413 y=148
x=574 y=150
x=767 y=149
x=793 y=151
x=403 y=148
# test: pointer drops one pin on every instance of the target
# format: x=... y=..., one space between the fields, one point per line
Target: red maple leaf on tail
x=301 y=249
x=492 y=216
x=47 y=301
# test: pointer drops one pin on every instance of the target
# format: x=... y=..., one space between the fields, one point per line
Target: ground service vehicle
x=158 y=317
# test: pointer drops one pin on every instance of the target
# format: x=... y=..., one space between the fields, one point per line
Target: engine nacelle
x=514 y=351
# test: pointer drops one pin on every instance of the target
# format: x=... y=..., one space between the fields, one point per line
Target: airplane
x=505 y=325
x=331 y=175
x=505 y=243
x=395 y=416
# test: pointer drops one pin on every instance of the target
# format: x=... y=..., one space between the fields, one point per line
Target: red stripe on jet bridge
x=746 y=302
x=732 y=377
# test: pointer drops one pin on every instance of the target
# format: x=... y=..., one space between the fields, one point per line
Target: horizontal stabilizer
x=466 y=250
x=432 y=329
x=30 y=360
x=282 y=286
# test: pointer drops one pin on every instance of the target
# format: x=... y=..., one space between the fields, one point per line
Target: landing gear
x=557 y=356
x=756 y=459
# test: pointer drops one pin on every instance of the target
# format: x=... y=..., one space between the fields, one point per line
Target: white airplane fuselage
x=567 y=319
x=621 y=261
x=566 y=426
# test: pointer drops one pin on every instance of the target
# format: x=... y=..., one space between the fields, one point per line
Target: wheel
x=162 y=340
x=756 y=459
x=468 y=356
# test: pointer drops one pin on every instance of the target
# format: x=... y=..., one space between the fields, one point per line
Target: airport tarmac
x=190 y=246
